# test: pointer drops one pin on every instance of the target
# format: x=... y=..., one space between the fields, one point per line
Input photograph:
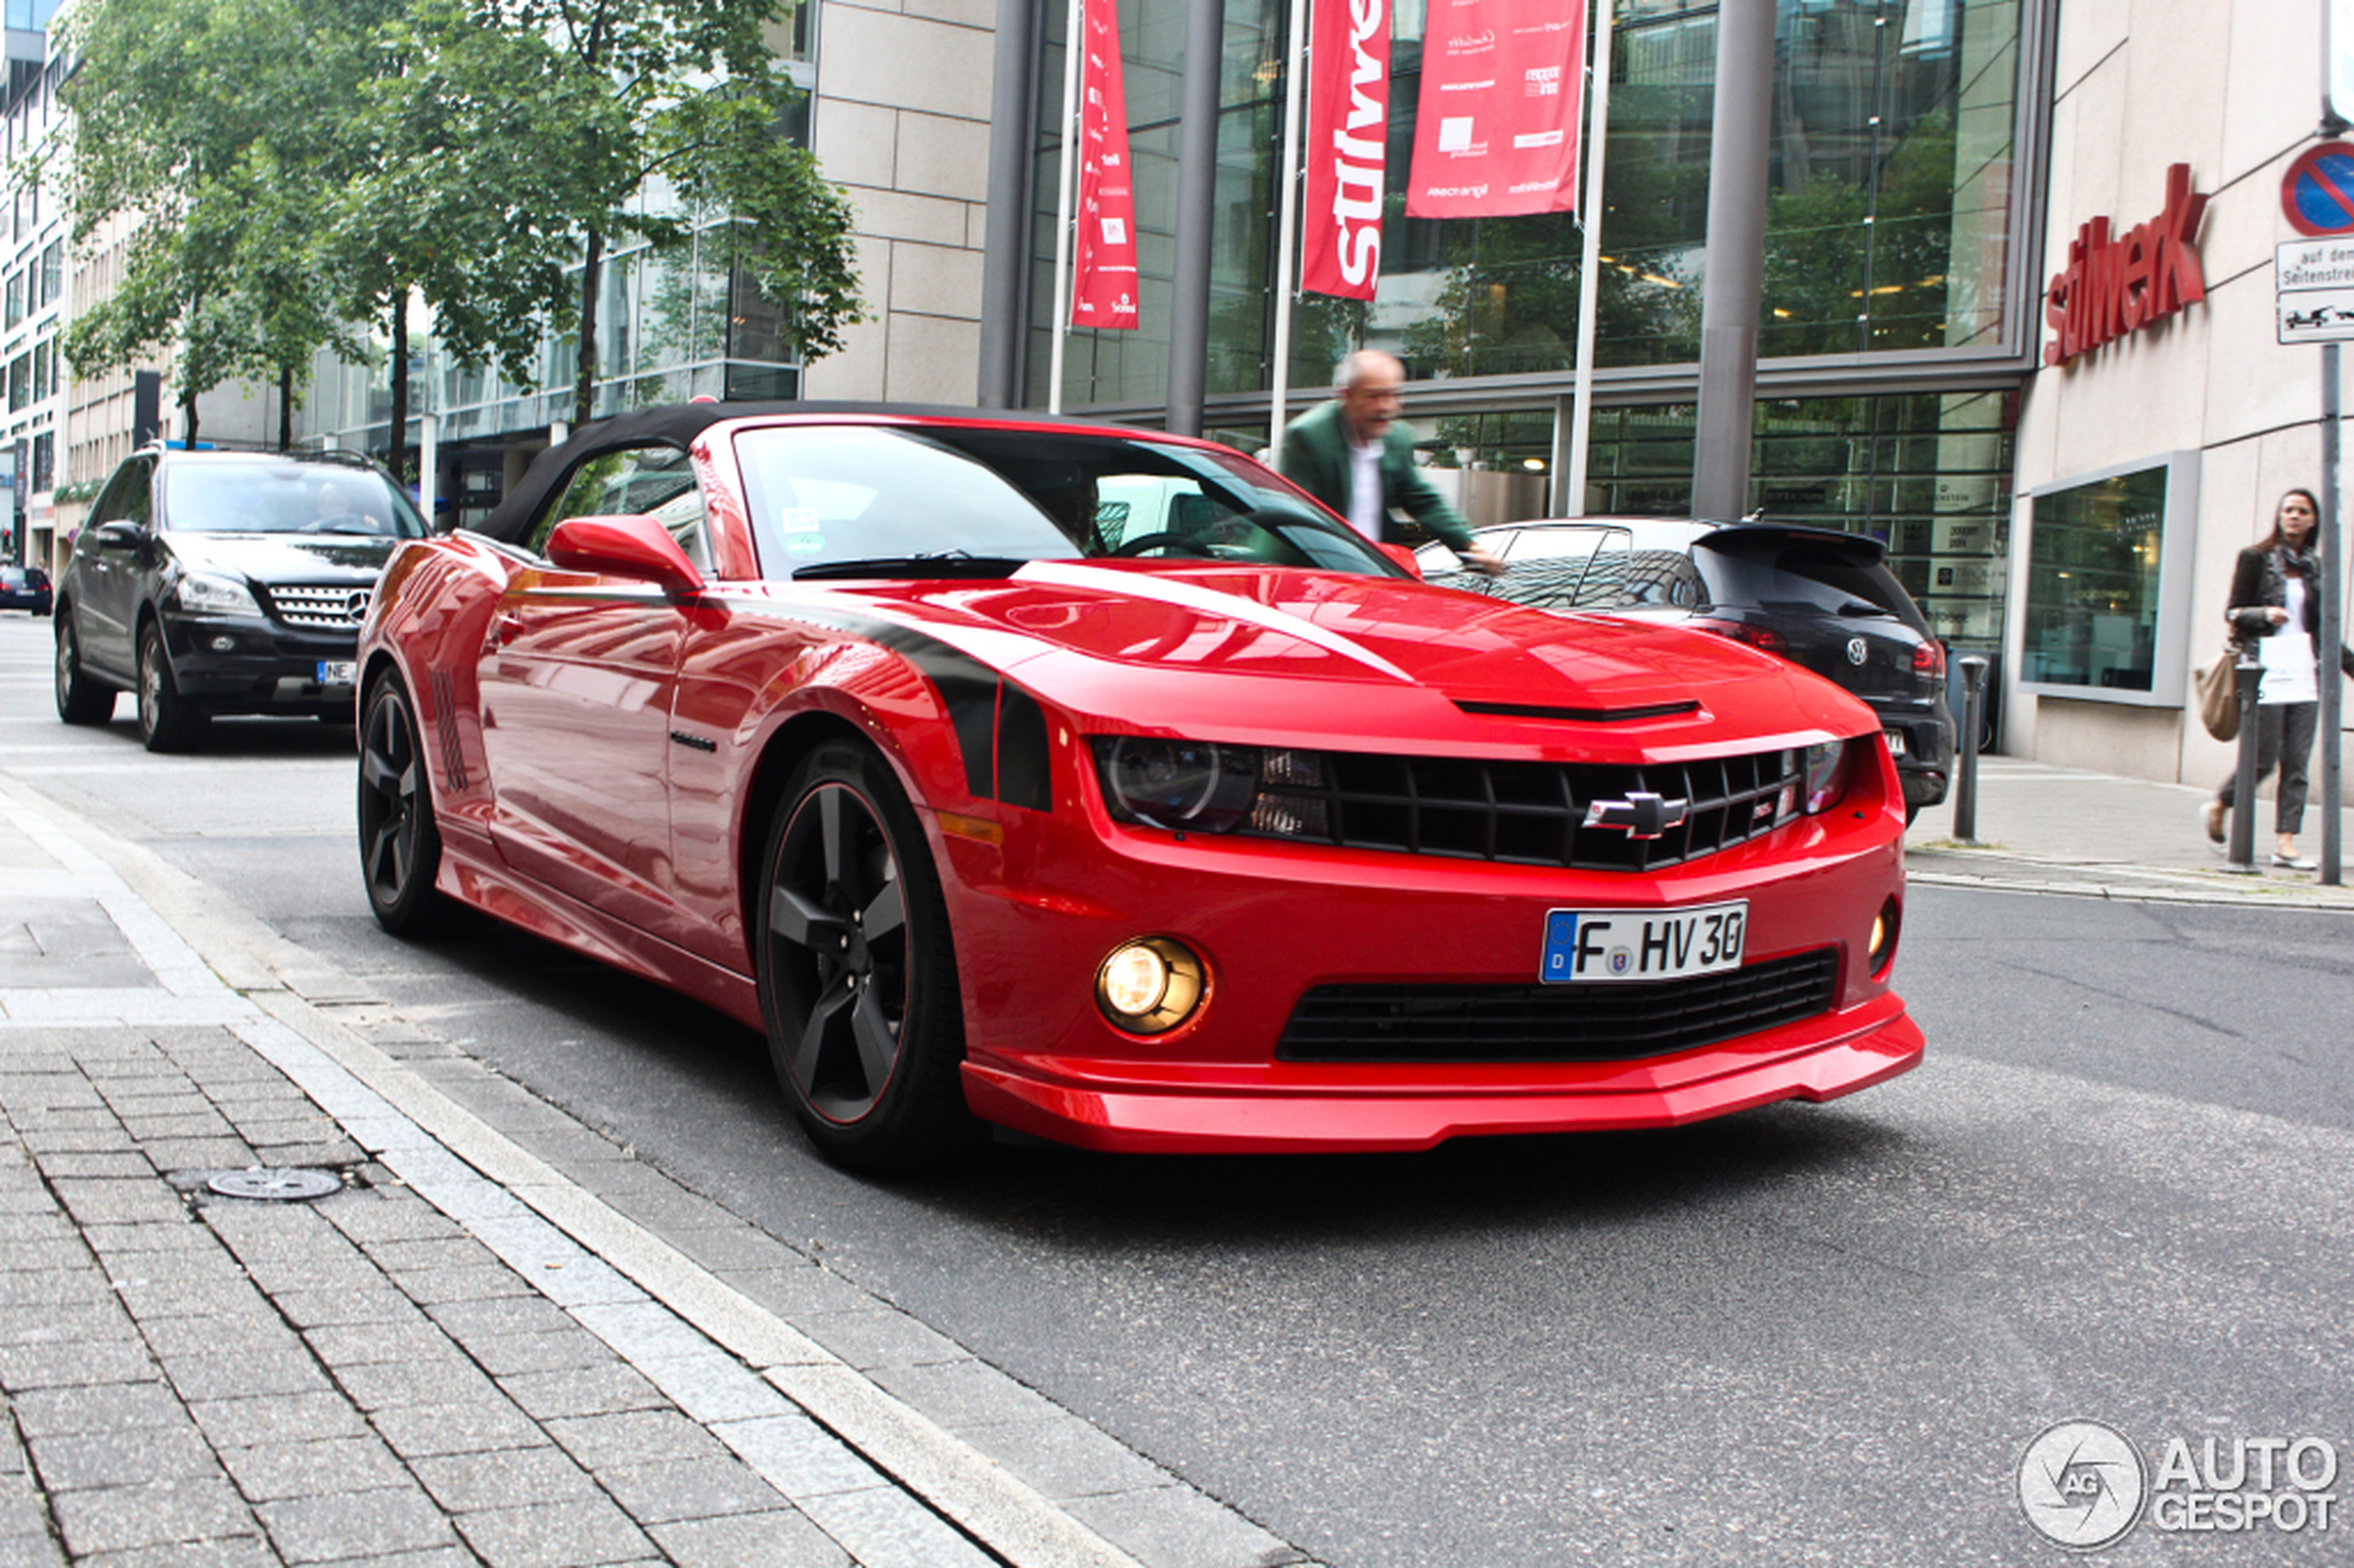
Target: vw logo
x=1857 y=650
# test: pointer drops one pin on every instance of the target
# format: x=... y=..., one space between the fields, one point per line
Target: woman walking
x=2276 y=608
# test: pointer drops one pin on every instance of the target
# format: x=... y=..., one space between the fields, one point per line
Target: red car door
x=576 y=687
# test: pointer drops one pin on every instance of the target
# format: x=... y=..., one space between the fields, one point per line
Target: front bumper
x=1271 y=922
x=241 y=665
x=1297 y=1114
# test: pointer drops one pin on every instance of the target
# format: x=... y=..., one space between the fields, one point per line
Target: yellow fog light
x=1150 y=985
x=1883 y=944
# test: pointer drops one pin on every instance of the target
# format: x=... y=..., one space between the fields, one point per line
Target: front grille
x=340 y=608
x=1530 y=814
x=1593 y=1022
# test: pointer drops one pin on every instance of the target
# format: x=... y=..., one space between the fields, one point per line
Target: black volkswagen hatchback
x=1821 y=598
x=220 y=582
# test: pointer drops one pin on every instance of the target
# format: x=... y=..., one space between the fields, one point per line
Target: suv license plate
x=338 y=672
x=1642 y=944
x=1895 y=742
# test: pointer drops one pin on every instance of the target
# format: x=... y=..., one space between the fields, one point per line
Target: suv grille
x=1595 y=1023
x=1531 y=813
x=340 y=608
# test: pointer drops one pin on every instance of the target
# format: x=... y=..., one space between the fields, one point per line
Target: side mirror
x=1405 y=558
x=118 y=534
x=624 y=546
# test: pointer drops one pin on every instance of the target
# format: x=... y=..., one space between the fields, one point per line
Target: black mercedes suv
x=223 y=582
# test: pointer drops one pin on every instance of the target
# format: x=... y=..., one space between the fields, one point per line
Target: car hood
x=283 y=558
x=1226 y=653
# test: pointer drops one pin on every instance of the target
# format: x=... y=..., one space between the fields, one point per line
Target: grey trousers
x=2284 y=737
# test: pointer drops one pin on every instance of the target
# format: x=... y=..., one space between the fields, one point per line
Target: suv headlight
x=208 y=595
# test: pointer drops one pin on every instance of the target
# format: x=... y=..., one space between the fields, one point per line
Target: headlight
x=1207 y=787
x=1826 y=772
x=1815 y=779
x=210 y=595
x=1178 y=784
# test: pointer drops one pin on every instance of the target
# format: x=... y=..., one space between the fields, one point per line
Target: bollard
x=2248 y=671
x=1973 y=666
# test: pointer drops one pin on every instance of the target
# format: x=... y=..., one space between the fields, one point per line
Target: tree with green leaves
x=198 y=127
x=447 y=194
x=293 y=170
x=682 y=96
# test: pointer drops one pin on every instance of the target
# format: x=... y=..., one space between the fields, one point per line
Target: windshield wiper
x=940 y=563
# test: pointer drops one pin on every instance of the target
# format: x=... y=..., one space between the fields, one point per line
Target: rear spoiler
x=1759 y=542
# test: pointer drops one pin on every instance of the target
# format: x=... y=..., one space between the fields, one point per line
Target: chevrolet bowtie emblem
x=1642 y=815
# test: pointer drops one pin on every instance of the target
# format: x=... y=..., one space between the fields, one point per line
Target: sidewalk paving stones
x=500 y=1338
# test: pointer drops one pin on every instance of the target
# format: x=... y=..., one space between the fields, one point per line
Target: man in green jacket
x=1351 y=453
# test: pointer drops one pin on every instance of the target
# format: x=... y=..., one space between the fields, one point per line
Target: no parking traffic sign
x=2316 y=194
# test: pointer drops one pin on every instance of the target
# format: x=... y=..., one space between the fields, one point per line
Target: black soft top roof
x=676 y=424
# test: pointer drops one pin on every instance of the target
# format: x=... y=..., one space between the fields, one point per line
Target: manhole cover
x=278 y=1186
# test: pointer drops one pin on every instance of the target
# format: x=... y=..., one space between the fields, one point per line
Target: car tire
x=857 y=970
x=82 y=697
x=400 y=841
x=168 y=722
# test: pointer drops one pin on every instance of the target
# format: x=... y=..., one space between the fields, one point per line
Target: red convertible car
x=1097 y=783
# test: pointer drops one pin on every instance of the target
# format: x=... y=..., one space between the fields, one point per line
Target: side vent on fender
x=1023 y=778
x=445 y=723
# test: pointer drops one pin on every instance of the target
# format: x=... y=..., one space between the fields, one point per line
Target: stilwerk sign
x=2120 y=281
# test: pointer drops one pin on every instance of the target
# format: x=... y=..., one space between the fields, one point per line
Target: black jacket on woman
x=2260 y=582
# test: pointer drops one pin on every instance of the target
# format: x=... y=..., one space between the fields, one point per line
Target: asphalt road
x=2120 y=1190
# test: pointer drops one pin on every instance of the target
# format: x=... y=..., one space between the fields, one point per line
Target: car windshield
x=825 y=500
x=273 y=496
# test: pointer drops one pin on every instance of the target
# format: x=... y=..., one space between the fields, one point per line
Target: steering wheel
x=319 y=525
x=1174 y=543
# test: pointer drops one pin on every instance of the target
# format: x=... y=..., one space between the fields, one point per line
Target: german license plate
x=1642 y=944
x=338 y=672
x=1895 y=742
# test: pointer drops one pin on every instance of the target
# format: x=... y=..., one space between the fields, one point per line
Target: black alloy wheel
x=168 y=722
x=81 y=698
x=857 y=973
x=399 y=842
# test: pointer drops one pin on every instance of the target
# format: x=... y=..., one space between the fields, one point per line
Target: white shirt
x=2290 y=671
x=1365 y=509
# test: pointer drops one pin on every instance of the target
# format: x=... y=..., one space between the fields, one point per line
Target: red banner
x=1346 y=150
x=1497 y=131
x=1104 y=287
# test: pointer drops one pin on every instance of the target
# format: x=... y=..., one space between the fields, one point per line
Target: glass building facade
x=1894 y=222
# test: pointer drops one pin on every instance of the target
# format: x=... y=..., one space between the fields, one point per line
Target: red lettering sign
x=1347 y=152
x=1103 y=284
x=1496 y=133
x=2117 y=284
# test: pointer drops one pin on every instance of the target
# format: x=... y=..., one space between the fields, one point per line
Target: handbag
x=2219 y=697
